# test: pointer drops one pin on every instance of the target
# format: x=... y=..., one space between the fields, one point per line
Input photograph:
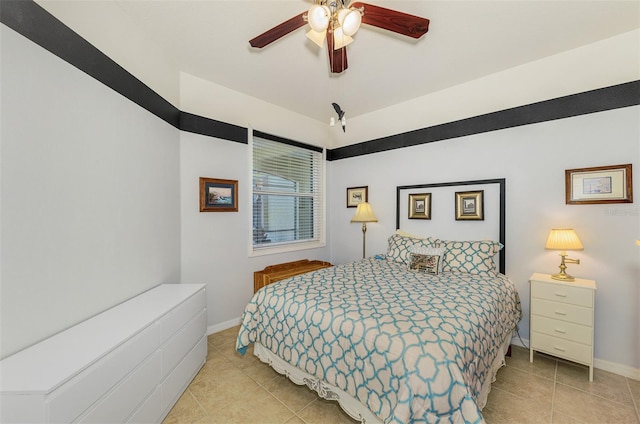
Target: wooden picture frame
x=357 y=195
x=420 y=206
x=217 y=195
x=470 y=205
x=600 y=184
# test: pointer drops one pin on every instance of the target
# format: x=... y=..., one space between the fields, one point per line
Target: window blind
x=287 y=192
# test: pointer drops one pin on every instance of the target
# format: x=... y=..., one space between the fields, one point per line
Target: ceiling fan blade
x=392 y=20
x=337 y=58
x=278 y=31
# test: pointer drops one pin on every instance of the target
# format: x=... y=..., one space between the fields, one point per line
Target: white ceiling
x=466 y=40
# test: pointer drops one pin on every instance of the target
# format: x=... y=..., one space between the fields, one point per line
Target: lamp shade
x=563 y=239
x=364 y=213
x=318 y=17
x=340 y=39
x=638 y=242
x=317 y=37
x=350 y=21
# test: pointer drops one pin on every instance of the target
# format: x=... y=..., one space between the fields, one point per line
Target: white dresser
x=562 y=315
x=130 y=363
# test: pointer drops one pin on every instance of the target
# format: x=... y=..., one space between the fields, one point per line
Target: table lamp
x=564 y=239
x=364 y=214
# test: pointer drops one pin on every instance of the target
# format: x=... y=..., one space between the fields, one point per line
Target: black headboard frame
x=502 y=216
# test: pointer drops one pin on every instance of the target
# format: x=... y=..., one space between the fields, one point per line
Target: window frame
x=295 y=245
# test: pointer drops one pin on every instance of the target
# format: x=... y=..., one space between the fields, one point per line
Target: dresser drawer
x=562 y=329
x=183 y=313
x=181 y=343
x=562 y=293
x=562 y=348
x=563 y=311
x=73 y=398
x=123 y=400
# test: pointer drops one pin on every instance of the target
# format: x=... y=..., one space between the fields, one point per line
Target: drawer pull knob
x=560 y=313
x=560 y=330
x=561 y=294
x=561 y=349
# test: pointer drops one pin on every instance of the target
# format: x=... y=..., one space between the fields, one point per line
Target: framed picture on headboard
x=470 y=205
x=420 y=206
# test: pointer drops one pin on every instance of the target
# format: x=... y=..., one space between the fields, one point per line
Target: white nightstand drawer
x=563 y=293
x=563 y=311
x=563 y=348
x=562 y=329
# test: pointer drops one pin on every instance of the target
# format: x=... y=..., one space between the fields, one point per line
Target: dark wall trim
x=502 y=183
x=211 y=127
x=283 y=140
x=33 y=22
x=617 y=96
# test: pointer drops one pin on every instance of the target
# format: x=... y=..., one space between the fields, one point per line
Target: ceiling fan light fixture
x=340 y=39
x=317 y=37
x=318 y=17
x=350 y=20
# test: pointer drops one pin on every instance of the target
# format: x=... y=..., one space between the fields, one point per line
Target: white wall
x=533 y=159
x=215 y=245
x=601 y=64
x=90 y=181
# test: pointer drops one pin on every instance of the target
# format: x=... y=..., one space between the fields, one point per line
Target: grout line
x=633 y=399
x=199 y=404
x=553 y=393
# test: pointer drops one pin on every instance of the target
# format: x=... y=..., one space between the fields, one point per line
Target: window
x=287 y=193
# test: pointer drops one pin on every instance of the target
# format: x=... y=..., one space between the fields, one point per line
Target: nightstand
x=561 y=318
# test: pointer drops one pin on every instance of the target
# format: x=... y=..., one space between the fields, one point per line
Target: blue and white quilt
x=412 y=347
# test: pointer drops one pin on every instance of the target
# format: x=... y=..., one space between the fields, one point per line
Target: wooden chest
x=278 y=272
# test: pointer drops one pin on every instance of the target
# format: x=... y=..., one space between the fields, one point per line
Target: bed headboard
x=446 y=222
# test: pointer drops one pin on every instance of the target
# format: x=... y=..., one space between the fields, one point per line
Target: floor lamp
x=364 y=214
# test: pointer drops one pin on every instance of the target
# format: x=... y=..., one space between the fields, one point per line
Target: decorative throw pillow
x=431 y=251
x=429 y=264
x=471 y=257
x=399 y=247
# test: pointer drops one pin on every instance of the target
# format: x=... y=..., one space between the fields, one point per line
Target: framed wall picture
x=218 y=195
x=602 y=184
x=470 y=205
x=420 y=206
x=357 y=195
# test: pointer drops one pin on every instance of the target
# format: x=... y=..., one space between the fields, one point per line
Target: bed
x=413 y=335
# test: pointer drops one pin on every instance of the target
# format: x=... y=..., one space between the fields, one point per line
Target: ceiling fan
x=337 y=21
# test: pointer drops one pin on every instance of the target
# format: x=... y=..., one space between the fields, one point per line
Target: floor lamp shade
x=364 y=214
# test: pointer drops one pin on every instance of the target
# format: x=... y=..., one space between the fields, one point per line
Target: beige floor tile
x=525 y=385
x=589 y=408
x=224 y=339
x=293 y=396
x=542 y=365
x=560 y=418
x=507 y=408
x=187 y=410
x=261 y=373
x=605 y=384
x=263 y=409
x=325 y=411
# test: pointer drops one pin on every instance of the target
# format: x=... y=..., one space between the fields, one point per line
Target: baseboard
x=615 y=368
x=601 y=364
x=223 y=325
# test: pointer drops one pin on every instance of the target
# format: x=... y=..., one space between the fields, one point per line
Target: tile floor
x=231 y=389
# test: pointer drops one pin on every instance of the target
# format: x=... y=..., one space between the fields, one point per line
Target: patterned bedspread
x=412 y=347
